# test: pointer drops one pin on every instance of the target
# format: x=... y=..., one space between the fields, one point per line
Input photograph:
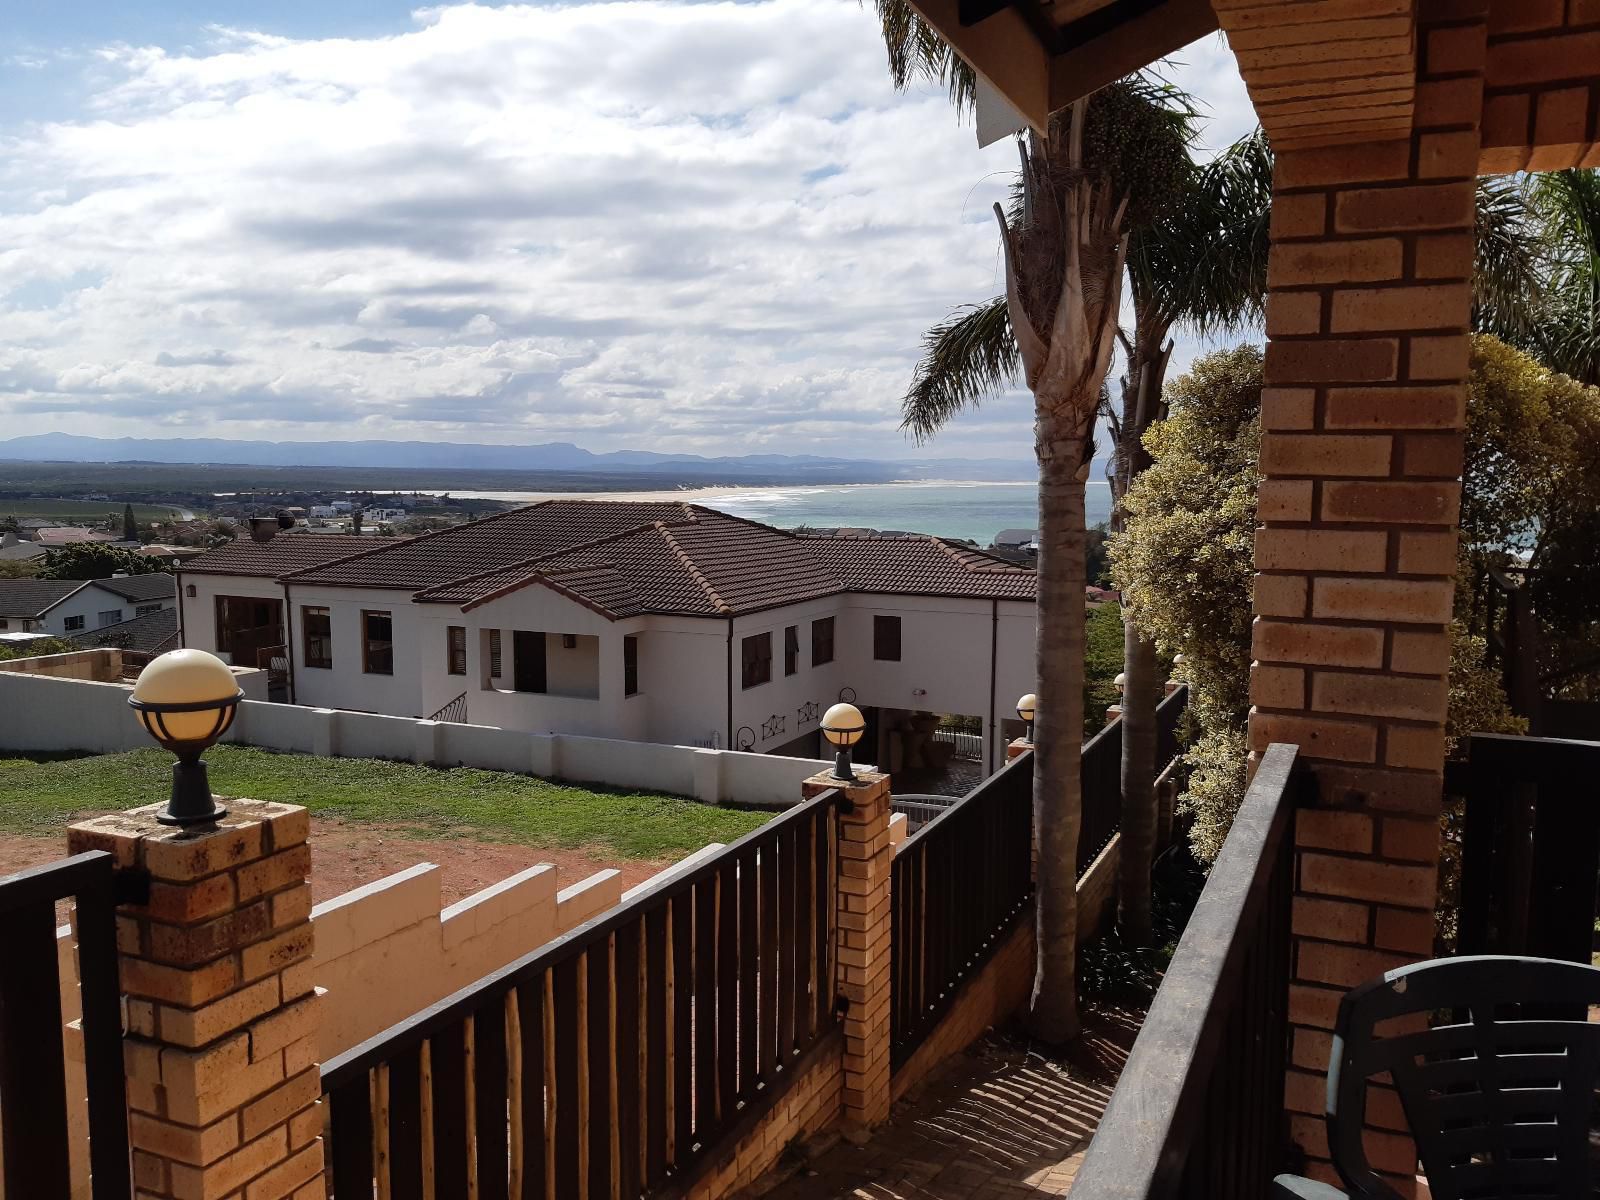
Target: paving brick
x=228 y=1174
x=1420 y=206
x=199 y=1026
x=1423 y=306
x=1542 y=60
x=188 y=988
x=1313 y=1006
x=1344 y=966
x=1449 y=155
x=1343 y=741
x=1298 y=215
x=1281 y=500
x=1396 y=407
x=1402 y=600
x=1412 y=841
x=1309 y=1048
x=1445 y=255
x=1456 y=48
x=1290 y=313
x=1432 y=455
x=188 y=945
x=1333 y=829
x=1280 y=595
x=291 y=907
x=288 y=1024
x=1338 y=165
x=281 y=1103
x=1332 y=360
x=1404 y=931
x=183 y=1143
x=1379 y=695
x=1420 y=652
x=1277 y=687
x=287 y=1175
x=1288 y=408
x=180 y=857
x=1391 y=503
x=1439 y=356
x=1319 y=549
x=1331 y=920
x=1447 y=102
x=1419 y=747
x=276 y=953
x=1317 y=645
x=182 y=904
x=1327 y=454
x=1366 y=879
x=281 y=870
x=1352 y=260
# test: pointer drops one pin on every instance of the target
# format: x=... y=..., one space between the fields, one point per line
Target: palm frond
x=966 y=358
x=917 y=52
x=1201 y=261
x=1567 y=206
x=1507 y=282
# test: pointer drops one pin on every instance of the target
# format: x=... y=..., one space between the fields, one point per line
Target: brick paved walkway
x=996 y=1123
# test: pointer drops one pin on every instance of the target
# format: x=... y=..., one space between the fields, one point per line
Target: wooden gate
x=34 y=1136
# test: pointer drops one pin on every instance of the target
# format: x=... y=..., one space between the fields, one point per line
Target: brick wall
x=99 y=666
x=1361 y=454
x=1541 y=109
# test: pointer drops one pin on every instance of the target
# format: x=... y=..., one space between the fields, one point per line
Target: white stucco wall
x=777 y=712
x=346 y=684
x=197 y=614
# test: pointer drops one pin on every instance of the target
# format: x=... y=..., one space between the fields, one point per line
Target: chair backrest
x=1498 y=1094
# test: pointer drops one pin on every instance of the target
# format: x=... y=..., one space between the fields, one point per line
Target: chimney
x=263 y=529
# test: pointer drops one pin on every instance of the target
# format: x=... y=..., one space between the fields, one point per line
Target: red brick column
x=221 y=1044
x=1361 y=454
x=866 y=871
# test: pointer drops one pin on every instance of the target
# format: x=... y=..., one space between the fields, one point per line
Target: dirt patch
x=345 y=855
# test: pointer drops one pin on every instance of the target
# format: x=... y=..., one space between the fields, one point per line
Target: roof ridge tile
x=717 y=602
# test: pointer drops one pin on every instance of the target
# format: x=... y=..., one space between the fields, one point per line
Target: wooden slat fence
x=1198 y=1110
x=34 y=1127
x=611 y=1062
x=959 y=883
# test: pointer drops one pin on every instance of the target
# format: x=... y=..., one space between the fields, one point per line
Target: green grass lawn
x=39 y=795
x=80 y=510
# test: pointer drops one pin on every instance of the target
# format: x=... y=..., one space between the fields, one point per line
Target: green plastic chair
x=1498 y=1100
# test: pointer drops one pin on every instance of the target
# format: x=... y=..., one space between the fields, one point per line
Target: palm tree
x=1566 y=206
x=1065 y=244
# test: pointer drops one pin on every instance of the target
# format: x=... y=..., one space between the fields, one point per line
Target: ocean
x=974 y=511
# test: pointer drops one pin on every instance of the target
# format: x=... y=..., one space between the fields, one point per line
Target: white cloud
x=700 y=227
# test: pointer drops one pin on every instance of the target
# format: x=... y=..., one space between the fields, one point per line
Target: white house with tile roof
x=659 y=622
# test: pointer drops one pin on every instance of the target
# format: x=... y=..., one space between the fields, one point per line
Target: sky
x=699 y=227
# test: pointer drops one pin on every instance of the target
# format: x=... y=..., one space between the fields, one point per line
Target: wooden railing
x=959 y=883
x=1198 y=1110
x=1530 y=845
x=1102 y=775
x=614 y=1060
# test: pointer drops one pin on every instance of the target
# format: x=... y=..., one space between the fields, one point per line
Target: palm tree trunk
x=1141 y=690
x=1058 y=735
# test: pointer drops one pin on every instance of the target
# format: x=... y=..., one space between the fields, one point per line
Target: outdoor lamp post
x=843 y=725
x=1025 y=710
x=186 y=700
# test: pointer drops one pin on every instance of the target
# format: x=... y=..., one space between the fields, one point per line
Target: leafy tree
x=19 y=568
x=95 y=560
x=36 y=648
x=1185 y=560
x=1185 y=563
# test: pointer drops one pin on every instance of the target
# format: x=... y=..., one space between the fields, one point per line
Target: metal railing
x=612 y=1061
x=1198 y=1110
x=970 y=744
x=454 y=712
x=959 y=883
x=1102 y=774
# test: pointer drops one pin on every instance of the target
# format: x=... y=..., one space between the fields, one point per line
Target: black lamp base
x=841 y=766
x=191 y=802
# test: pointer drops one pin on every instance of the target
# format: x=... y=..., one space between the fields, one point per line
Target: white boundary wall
x=41 y=714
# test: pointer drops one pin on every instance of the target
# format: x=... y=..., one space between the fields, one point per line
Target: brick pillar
x=1361 y=454
x=1017 y=747
x=221 y=1040
x=866 y=861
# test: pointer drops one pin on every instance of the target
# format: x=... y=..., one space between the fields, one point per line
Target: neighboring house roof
x=1016 y=537
x=139 y=588
x=21 y=550
x=290 y=551
x=66 y=535
x=32 y=598
x=518 y=535
x=153 y=633
x=625 y=558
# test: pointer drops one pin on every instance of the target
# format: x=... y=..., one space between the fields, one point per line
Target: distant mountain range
x=549 y=456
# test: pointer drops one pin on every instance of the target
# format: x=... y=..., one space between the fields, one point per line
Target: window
x=456 y=649
x=756 y=659
x=886 y=639
x=318 y=627
x=791 y=649
x=111 y=616
x=630 y=666
x=821 y=641
x=4 y=623
x=144 y=610
x=69 y=624
x=494 y=654
x=377 y=635
x=527 y=661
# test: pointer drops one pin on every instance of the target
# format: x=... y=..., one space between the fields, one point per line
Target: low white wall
x=40 y=713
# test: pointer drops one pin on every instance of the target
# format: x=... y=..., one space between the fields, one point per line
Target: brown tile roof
x=516 y=536
x=710 y=564
x=290 y=551
x=624 y=558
